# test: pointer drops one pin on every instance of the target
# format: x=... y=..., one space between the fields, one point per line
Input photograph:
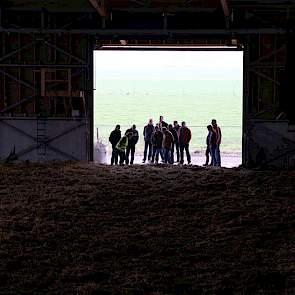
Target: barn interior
x=82 y=228
x=47 y=67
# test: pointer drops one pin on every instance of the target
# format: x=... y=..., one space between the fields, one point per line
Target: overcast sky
x=168 y=65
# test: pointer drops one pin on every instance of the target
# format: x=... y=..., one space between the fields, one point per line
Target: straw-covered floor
x=86 y=229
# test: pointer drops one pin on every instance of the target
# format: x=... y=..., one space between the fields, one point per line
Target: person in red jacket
x=185 y=136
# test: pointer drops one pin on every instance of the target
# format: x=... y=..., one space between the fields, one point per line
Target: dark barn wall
x=46 y=74
x=269 y=100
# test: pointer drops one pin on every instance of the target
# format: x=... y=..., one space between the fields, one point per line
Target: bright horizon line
x=168 y=79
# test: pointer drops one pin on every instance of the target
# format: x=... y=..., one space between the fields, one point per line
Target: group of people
x=123 y=146
x=165 y=140
x=162 y=140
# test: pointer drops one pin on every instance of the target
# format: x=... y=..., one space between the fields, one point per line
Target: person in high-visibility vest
x=121 y=147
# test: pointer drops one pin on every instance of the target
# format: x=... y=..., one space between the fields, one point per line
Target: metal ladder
x=41 y=136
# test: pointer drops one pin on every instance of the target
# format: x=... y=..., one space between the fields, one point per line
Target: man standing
x=133 y=136
x=211 y=146
x=114 y=138
x=185 y=136
x=162 y=123
x=174 y=144
x=176 y=127
x=147 y=133
x=167 y=144
x=217 y=131
x=157 y=141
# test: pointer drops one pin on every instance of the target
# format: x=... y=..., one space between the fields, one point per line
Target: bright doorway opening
x=192 y=86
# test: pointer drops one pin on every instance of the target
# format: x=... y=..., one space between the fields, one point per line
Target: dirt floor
x=87 y=229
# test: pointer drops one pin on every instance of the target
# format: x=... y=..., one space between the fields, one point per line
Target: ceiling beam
x=172 y=9
x=151 y=34
x=99 y=6
x=225 y=8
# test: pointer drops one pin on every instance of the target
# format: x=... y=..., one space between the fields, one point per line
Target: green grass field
x=128 y=102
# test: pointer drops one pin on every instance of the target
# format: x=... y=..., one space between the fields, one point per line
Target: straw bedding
x=88 y=229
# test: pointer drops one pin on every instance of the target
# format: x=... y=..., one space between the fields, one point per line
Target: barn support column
x=90 y=96
x=287 y=99
x=246 y=97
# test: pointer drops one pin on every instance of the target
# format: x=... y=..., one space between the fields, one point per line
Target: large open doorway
x=194 y=86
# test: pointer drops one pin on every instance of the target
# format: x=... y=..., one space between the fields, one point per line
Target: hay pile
x=86 y=229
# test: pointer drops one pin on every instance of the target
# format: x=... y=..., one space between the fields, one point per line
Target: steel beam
x=265 y=77
x=32 y=96
x=269 y=55
x=17 y=80
x=47 y=142
x=64 y=66
x=154 y=47
x=169 y=9
x=75 y=20
x=16 y=51
x=17 y=104
x=268 y=66
x=67 y=131
x=64 y=52
x=151 y=34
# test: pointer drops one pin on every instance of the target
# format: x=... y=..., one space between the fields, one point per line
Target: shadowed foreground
x=85 y=229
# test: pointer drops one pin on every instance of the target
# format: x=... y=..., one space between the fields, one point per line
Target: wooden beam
x=225 y=8
x=99 y=6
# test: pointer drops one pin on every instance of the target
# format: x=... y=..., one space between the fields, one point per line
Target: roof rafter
x=225 y=8
x=99 y=6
